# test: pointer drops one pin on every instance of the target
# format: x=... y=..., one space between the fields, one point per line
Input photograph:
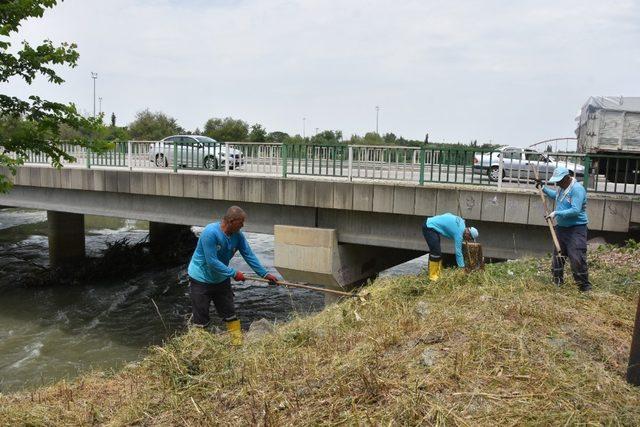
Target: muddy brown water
x=47 y=334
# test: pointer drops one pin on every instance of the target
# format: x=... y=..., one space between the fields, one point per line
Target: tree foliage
x=258 y=133
x=327 y=137
x=33 y=125
x=150 y=126
x=227 y=129
x=277 y=136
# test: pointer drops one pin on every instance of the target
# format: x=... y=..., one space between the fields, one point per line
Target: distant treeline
x=153 y=126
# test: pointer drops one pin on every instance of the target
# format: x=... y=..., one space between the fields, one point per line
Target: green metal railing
x=315 y=159
x=600 y=173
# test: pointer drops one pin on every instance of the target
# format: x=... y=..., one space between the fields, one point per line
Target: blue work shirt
x=452 y=227
x=571 y=209
x=210 y=261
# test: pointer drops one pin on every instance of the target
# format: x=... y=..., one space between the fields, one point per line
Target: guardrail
x=512 y=167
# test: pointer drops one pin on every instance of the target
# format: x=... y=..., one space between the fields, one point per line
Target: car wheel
x=161 y=161
x=493 y=173
x=210 y=162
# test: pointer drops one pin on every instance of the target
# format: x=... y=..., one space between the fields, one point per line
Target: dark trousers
x=201 y=296
x=433 y=241
x=573 y=244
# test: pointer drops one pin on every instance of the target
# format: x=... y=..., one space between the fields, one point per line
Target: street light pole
x=94 y=76
x=304 y=127
x=100 y=105
x=377 y=113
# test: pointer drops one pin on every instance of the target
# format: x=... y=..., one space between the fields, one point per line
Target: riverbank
x=500 y=346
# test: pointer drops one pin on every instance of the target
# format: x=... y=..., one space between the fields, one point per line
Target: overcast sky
x=513 y=72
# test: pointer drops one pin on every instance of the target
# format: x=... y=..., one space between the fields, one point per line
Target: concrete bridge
x=332 y=232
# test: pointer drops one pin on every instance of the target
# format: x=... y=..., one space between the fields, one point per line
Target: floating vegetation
x=120 y=259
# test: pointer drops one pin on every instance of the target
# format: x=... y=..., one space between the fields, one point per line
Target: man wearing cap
x=451 y=227
x=571 y=227
x=210 y=274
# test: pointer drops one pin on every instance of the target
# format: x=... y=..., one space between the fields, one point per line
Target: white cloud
x=513 y=72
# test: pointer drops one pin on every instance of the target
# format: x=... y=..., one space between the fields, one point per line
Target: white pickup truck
x=517 y=163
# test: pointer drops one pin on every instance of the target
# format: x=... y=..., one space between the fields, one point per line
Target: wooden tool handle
x=301 y=286
x=546 y=211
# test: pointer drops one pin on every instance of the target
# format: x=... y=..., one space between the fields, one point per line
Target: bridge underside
x=499 y=240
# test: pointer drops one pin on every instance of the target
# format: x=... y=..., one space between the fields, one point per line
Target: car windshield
x=205 y=139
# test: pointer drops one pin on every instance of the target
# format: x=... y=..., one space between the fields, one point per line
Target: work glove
x=273 y=280
x=539 y=183
x=551 y=215
x=239 y=277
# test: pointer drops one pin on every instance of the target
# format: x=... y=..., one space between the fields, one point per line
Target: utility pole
x=100 y=104
x=377 y=113
x=94 y=76
x=304 y=127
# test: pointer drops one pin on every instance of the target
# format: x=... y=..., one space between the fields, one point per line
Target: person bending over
x=451 y=227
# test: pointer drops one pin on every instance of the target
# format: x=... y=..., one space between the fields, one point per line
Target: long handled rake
x=308 y=287
x=546 y=212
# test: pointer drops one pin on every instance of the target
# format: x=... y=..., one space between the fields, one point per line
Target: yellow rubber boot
x=235 y=332
x=434 y=270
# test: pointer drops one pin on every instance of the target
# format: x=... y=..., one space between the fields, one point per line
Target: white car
x=194 y=151
x=518 y=162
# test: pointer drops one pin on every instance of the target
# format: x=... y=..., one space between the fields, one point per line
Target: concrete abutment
x=313 y=255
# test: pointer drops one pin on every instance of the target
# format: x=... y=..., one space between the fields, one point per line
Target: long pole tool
x=546 y=212
x=301 y=286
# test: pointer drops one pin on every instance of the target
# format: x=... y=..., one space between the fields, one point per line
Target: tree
x=327 y=137
x=372 y=138
x=390 y=138
x=149 y=126
x=277 y=136
x=258 y=133
x=227 y=129
x=33 y=125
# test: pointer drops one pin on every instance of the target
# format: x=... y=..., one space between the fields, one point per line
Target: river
x=47 y=334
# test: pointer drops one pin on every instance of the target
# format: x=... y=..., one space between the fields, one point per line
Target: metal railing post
x=350 y=162
x=129 y=156
x=422 y=162
x=587 y=171
x=500 y=171
x=284 y=160
x=226 y=161
x=175 y=157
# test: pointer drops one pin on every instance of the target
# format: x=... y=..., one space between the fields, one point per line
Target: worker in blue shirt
x=210 y=274
x=449 y=226
x=571 y=227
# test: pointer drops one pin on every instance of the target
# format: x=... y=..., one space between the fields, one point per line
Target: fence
x=506 y=167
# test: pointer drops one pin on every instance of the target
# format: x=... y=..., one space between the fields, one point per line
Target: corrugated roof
x=611 y=103
x=617 y=103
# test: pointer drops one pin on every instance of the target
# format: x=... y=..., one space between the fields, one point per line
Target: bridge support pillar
x=313 y=255
x=66 y=239
x=163 y=237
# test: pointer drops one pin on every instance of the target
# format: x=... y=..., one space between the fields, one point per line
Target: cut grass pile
x=499 y=346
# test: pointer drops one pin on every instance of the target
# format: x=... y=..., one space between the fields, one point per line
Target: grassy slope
x=499 y=346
